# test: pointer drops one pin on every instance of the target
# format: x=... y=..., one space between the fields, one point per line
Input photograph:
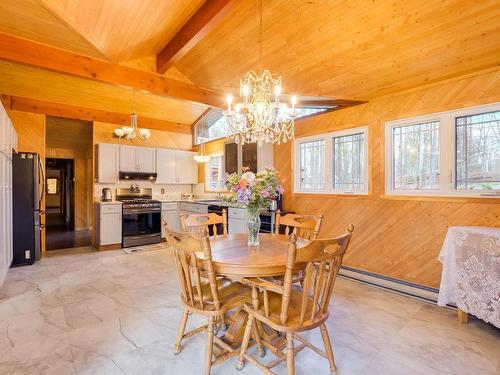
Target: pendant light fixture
x=132 y=131
x=202 y=158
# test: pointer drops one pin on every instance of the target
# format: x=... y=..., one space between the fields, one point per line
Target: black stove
x=141 y=223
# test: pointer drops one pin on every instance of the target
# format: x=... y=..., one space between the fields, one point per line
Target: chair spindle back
x=303 y=226
x=323 y=259
x=190 y=269
x=196 y=222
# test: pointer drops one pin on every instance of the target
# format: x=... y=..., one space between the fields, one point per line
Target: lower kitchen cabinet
x=237 y=220
x=109 y=225
x=170 y=215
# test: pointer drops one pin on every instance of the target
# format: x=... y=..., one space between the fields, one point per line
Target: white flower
x=249 y=177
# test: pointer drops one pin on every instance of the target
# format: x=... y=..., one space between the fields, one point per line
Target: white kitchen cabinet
x=170 y=215
x=146 y=162
x=186 y=168
x=137 y=159
x=128 y=159
x=107 y=163
x=165 y=166
x=176 y=167
x=237 y=220
x=109 y=224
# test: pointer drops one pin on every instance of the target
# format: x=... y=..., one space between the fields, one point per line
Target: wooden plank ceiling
x=351 y=49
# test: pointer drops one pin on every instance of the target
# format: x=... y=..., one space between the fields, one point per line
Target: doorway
x=60 y=206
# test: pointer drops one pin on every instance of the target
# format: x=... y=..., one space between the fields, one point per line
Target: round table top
x=233 y=257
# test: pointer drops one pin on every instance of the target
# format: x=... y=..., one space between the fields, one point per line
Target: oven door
x=141 y=226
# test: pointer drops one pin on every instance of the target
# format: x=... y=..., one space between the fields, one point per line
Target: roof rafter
x=18 y=103
x=36 y=54
x=196 y=28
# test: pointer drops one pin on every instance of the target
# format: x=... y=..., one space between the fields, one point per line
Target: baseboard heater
x=390 y=283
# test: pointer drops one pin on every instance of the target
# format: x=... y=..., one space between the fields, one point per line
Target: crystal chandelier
x=260 y=117
x=133 y=131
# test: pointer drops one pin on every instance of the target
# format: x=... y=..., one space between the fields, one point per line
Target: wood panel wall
x=30 y=128
x=103 y=133
x=394 y=236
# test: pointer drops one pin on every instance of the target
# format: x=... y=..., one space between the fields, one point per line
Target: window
x=332 y=163
x=213 y=125
x=312 y=165
x=478 y=152
x=416 y=156
x=348 y=163
x=445 y=154
x=214 y=176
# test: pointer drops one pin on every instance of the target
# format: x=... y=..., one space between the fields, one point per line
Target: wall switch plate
x=162 y=191
x=27 y=254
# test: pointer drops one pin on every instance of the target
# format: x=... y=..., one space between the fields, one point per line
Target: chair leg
x=244 y=344
x=328 y=348
x=256 y=335
x=210 y=345
x=290 y=354
x=180 y=333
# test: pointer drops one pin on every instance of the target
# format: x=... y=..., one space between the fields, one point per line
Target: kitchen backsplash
x=169 y=190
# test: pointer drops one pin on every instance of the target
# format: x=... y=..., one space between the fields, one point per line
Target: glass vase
x=253 y=228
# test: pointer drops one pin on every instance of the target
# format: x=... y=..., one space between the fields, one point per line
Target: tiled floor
x=111 y=313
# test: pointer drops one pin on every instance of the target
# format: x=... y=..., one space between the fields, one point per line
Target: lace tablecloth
x=471 y=271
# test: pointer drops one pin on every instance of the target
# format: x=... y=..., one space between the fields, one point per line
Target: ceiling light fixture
x=202 y=158
x=133 y=131
x=261 y=117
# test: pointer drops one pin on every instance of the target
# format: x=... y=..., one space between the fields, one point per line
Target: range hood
x=137 y=176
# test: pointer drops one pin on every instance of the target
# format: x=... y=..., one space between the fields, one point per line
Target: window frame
x=208 y=188
x=447 y=153
x=329 y=162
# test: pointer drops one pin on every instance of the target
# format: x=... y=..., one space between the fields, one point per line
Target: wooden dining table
x=234 y=259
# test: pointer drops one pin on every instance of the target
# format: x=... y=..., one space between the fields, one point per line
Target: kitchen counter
x=105 y=203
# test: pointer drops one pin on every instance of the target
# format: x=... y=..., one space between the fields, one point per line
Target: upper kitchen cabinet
x=186 y=168
x=137 y=159
x=108 y=157
x=165 y=166
x=176 y=167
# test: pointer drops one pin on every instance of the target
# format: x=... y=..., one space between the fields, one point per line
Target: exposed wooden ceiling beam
x=31 y=53
x=210 y=15
x=67 y=111
x=329 y=103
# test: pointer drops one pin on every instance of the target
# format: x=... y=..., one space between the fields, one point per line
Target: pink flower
x=280 y=189
x=265 y=193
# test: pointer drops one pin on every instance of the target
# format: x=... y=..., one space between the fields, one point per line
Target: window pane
x=312 y=165
x=416 y=156
x=348 y=162
x=478 y=151
x=214 y=173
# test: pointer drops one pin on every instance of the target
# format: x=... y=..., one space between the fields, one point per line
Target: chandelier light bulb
x=293 y=101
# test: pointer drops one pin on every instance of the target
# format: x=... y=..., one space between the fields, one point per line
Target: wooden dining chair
x=290 y=310
x=304 y=226
x=196 y=222
x=205 y=293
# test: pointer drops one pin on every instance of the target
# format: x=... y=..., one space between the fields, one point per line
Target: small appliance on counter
x=107 y=196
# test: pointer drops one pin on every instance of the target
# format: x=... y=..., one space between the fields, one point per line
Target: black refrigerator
x=28 y=188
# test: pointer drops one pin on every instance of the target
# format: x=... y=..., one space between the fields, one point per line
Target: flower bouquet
x=256 y=192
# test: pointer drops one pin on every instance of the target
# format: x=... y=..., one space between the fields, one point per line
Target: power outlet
x=27 y=254
x=162 y=191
